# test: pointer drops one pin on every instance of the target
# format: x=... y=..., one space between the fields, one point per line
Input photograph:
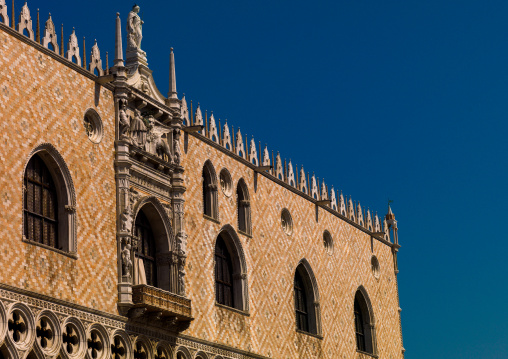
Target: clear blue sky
x=404 y=100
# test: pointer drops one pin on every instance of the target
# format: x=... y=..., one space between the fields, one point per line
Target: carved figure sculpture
x=125 y=122
x=154 y=143
x=126 y=220
x=134 y=29
x=138 y=129
x=126 y=260
x=176 y=147
x=181 y=243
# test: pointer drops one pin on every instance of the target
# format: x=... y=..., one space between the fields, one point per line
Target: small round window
x=375 y=267
x=286 y=222
x=226 y=183
x=328 y=242
x=93 y=125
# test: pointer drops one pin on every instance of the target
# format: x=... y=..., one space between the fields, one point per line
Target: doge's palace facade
x=135 y=226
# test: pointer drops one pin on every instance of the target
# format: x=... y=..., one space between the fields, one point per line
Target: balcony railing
x=157 y=300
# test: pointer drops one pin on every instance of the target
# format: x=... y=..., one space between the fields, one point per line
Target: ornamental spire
x=172 y=94
x=118 y=43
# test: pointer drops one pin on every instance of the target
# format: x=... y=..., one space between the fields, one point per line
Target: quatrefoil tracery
x=95 y=344
x=17 y=326
x=70 y=339
x=44 y=332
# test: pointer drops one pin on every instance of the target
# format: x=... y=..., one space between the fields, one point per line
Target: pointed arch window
x=302 y=315
x=243 y=205
x=41 y=204
x=145 y=250
x=230 y=271
x=224 y=292
x=210 y=201
x=364 y=325
x=306 y=300
x=49 y=201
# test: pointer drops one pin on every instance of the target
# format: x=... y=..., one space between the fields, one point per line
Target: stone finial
x=73 y=48
x=324 y=190
x=198 y=116
x=369 y=221
x=386 y=230
x=25 y=22
x=253 y=152
x=212 y=129
x=226 y=137
x=184 y=110
x=303 y=181
x=118 y=43
x=172 y=94
x=95 y=60
x=342 y=205
x=377 y=225
x=390 y=216
x=3 y=12
x=291 y=174
x=350 y=210
x=239 y=147
x=50 y=36
x=314 y=192
x=359 y=215
x=333 y=199
x=279 y=172
x=266 y=157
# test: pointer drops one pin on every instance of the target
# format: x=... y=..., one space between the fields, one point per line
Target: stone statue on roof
x=134 y=29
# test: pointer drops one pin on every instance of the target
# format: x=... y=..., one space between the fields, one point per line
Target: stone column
x=180 y=249
x=125 y=240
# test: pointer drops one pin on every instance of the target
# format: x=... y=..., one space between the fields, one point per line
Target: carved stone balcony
x=157 y=303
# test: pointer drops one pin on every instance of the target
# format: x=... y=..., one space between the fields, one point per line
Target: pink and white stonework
x=117 y=150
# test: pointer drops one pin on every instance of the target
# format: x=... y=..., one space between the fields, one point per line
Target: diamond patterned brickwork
x=272 y=257
x=42 y=100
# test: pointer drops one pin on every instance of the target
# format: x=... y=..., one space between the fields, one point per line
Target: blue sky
x=384 y=99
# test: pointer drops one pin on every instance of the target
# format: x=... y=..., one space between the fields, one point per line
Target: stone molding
x=32 y=306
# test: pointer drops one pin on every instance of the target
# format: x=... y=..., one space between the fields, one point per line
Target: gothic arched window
x=306 y=300
x=230 y=271
x=41 y=204
x=147 y=266
x=243 y=204
x=224 y=293
x=364 y=325
x=210 y=205
x=302 y=315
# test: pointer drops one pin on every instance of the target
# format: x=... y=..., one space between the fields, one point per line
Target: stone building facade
x=135 y=227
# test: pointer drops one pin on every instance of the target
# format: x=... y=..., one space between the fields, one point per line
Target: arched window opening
x=223 y=274
x=147 y=265
x=210 y=205
x=364 y=327
x=306 y=300
x=243 y=206
x=49 y=201
x=302 y=315
x=41 y=204
x=153 y=260
x=230 y=271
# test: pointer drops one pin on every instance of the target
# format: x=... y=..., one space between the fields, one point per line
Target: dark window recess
x=41 y=205
x=223 y=274
x=146 y=248
x=302 y=317
x=359 y=327
x=208 y=193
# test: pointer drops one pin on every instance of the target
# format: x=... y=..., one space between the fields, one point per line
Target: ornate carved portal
x=149 y=180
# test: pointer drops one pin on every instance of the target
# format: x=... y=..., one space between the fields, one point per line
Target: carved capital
x=70 y=209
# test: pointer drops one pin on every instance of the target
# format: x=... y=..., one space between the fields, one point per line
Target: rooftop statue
x=134 y=29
